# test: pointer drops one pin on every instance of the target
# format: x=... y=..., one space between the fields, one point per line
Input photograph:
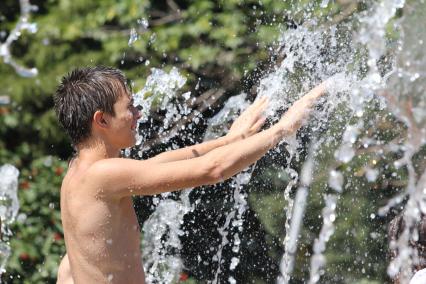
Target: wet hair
x=84 y=91
x=396 y=228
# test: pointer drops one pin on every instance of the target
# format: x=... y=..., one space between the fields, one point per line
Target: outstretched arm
x=249 y=123
x=124 y=177
x=236 y=157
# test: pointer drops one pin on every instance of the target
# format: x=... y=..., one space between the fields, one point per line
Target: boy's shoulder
x=107 y=173
x=106 y=167
x=90 y=176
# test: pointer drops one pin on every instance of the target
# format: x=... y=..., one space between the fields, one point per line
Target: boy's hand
x=250 y=121
x=299 y=111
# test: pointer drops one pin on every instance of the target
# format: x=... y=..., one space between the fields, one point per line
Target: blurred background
x=222 y=48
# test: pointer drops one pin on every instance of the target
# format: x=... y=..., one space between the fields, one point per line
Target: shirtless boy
x=101 y=232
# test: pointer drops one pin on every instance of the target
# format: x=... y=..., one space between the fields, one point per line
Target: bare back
x=102 y=234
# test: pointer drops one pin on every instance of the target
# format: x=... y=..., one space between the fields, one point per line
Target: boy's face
x=123 y=124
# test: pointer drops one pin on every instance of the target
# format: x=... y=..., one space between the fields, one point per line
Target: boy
x=101 y=232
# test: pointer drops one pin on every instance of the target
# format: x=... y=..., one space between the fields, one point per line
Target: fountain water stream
x=23 y=24
x=9 y=206
x=365 y=67
x=354 y=51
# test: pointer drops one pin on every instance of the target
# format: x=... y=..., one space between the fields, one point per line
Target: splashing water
x=161 y=260
x=218 y=126
x=290 y=243
x=352 y=54
x=133 y=37
x=9 y=206
x=135 y=32
x=372 y=35
x=327 y=230
x=161 y=243
x=161 y=88
x=23 y=24
x=303 y=53
x=234 y=218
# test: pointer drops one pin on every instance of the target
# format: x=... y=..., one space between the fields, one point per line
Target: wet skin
x=100 y=227
x=101 y=232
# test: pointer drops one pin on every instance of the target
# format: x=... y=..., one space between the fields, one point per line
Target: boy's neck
x=95 y=150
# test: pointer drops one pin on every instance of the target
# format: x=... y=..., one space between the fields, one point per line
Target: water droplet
x=110 y=277
x=143 y=23
x=133 y=37
x=371 y=174
x=335 y=180
x=152 y=38
x=234 y=263
x=324 y=3
x=345 y=153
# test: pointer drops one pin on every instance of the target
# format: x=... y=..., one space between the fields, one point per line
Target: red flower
x=57 y=237
x=4 y=110
x=25 y=184
x=183 y=276
x=59 y=171
x=24 y=256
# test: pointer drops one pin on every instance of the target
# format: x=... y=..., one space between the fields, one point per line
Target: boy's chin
x=133 y=142
x=128 y=144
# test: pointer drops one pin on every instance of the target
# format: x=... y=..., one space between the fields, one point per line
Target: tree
x=223 y=48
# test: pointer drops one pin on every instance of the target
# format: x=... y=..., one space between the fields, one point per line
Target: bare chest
x=102 y=237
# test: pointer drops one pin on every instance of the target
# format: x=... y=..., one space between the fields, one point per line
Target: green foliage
x=37 y=243
x=215 y=44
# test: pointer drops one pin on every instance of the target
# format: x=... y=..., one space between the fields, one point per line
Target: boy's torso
x=101 y=233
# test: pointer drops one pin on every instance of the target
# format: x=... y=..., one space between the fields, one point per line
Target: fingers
x=258 y=103
x=318 y=91
x=259 y=123
x=252 y=118
x=262 y=104
x=311 y=97
x=259 y=111
x=295 y=116
x=264 y=101
x=254 y=111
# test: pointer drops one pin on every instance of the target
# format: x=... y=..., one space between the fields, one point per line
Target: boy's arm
x=64 y=272
x=124 y=177
x=247 y=124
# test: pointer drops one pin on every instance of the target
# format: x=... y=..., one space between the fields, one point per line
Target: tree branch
x=172 y=4
x=166 y=19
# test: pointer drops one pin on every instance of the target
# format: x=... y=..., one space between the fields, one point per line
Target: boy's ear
x=99 y=119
